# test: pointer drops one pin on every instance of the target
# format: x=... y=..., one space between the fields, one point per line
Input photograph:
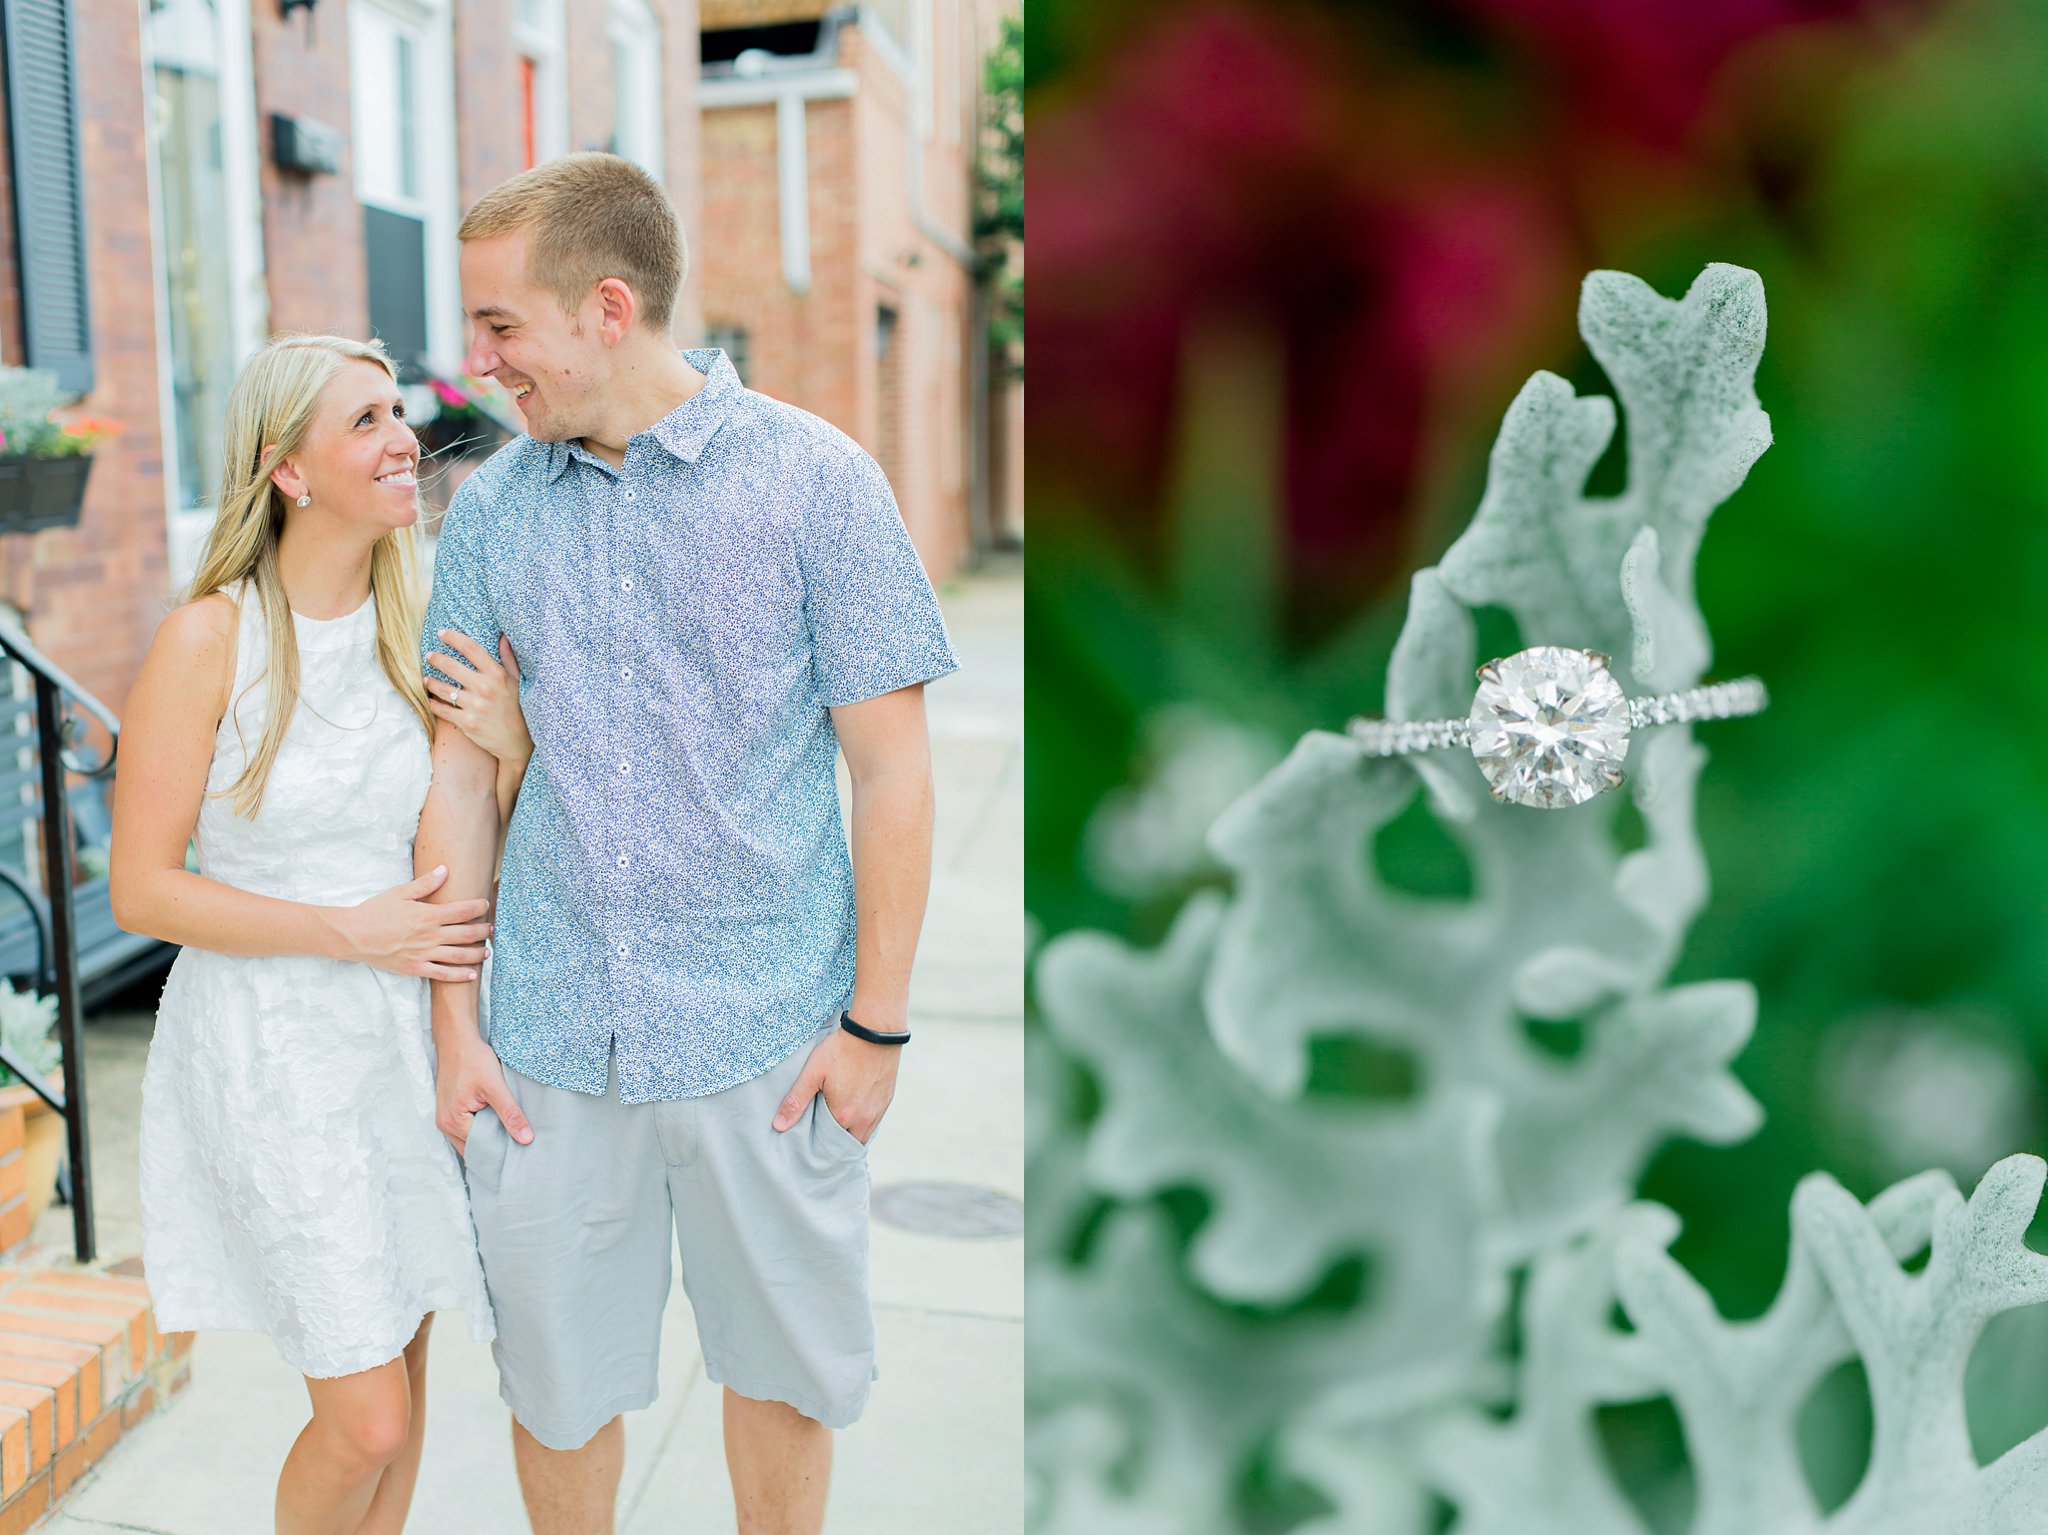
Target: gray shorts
x=575 y=1235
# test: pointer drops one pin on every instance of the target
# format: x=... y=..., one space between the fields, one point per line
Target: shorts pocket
x=829 y=1133
x=483 y=1154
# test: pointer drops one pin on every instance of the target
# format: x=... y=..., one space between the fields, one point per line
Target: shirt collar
x=685 y=430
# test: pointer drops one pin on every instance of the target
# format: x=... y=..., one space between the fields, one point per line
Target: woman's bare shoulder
x=198 y=629
x=194 y=648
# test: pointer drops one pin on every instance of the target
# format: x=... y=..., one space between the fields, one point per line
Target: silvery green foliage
x=1172 y=1371
x=28 y=1024
x=27 y=396
x=1154 y=836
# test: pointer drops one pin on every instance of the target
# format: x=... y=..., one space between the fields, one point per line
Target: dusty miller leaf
x=1155 y=1403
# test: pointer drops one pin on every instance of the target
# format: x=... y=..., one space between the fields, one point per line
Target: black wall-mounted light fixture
x=299 y=144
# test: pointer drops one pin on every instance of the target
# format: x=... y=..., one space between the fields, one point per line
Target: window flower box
x=38 y=493
x=45 y=456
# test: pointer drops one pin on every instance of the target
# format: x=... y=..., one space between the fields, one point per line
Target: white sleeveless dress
x=293 y=1182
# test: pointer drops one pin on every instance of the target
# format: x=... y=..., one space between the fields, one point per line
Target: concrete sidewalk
x=940 y=1450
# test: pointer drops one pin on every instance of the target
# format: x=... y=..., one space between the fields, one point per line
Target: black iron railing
x=59 y=733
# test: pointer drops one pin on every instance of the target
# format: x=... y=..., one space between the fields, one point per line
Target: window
x=402 y=127
x=889 y=395
x=732 y=341
x=46 y=124
x=790 y=39
x=384 y=54
x=211 y=302
x=384 y=51
x=529 y=138
x=543 y=82
x=636 y=85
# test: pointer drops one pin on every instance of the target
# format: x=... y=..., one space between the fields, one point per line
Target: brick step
x=81 y=1361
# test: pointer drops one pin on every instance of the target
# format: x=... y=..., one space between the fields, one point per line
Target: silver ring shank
x=1716 y=701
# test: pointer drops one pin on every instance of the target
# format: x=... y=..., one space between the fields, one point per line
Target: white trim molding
x=431 y=24
x=539 y=32
x=212 y=39
x=793 y=190
x=760 y=90
x=639 y=123
x=886 y=44
x=789 y=94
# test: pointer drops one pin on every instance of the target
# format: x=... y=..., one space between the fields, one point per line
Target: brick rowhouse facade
x=487 y=104
x=312 y=225
x=881 y=341
x=93 y=595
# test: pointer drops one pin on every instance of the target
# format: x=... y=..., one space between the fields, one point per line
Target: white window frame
x=432 y=24
x=632 y=26
x=788 y=94
x=545 y=45
x=185 y=528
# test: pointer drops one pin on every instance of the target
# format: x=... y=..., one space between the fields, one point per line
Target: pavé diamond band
x=1550 y=726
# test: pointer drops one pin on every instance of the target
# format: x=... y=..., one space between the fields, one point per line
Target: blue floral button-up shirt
x=676 y=883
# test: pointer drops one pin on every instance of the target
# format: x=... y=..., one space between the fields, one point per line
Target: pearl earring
x=305 y=501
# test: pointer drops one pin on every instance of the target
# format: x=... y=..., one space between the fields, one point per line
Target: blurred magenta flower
x=1646 y=71
x=1248 y=166
x=1388 y=213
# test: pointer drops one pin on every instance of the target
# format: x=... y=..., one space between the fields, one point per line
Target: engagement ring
x=1550 y=726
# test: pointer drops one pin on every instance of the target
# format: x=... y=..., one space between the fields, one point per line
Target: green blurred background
x=1289 y=265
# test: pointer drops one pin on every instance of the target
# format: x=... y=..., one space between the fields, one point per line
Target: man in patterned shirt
x=709 y=595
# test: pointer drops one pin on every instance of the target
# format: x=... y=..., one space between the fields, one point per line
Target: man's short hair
x=590 y=216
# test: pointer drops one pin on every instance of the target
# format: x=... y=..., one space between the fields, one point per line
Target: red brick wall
x=93 y=594
x=735 y=250
x=487 y=105
x=926 y=284
x=312 y=226
x=490 y=142
x=806 y=348
x=590 y=73
x=838 y=364
x=681 y=149
x=818 y=349
x=11 y=344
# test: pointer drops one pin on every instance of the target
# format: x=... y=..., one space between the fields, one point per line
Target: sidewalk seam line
x=668 y=1433
x=947 y=1311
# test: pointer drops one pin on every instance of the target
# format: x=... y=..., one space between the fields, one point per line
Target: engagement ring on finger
x=1550 y=726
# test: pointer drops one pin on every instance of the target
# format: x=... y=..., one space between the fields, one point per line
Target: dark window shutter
x=49 y=199
x=398 y=286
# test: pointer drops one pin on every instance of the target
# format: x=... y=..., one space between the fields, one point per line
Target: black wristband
x=872 y=1036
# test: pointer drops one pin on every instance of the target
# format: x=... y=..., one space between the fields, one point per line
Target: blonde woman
x=293 y=1182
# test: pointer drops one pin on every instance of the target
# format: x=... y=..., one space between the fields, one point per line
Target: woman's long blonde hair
x=273 y=402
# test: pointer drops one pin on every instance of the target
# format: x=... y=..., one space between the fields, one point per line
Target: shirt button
x=623 y=860
x=623 y=951
x=625 y=767
x=626 y=585
x=629 y=493
x=626 y=672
